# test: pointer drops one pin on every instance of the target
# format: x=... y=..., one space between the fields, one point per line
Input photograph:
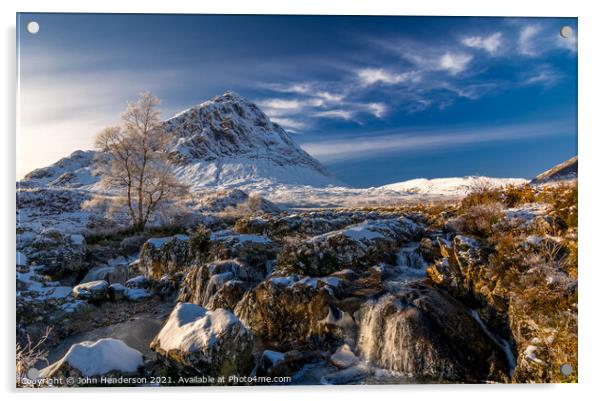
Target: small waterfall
x=409 y=257
x=383 y=337
x=411 y=266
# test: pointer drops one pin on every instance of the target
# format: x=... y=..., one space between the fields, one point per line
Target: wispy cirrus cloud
x=526 y=40
x=422 y=139
x=371 y=76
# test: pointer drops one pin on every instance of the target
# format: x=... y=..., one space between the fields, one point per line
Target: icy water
x=137 y=332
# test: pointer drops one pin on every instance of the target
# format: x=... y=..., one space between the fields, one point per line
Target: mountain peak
x=225 y=142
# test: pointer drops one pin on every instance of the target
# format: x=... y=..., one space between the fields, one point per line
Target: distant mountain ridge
x=567 y=170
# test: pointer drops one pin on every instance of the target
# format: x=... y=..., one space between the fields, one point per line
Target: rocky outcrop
x=423 y=332
x=58 y=254
x=197 y=341
x=360 y=245
x=282 y=310
x=160 y=256
x=219 y=284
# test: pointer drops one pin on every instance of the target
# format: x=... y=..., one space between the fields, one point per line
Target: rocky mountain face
x=564 y=171
x=226 y=142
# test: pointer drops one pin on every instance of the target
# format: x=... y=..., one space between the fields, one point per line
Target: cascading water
x=384 y=337
x=410 y=266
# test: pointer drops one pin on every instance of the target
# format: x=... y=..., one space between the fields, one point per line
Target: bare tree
x=138 y=164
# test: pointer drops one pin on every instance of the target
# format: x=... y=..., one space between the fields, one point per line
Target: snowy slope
x=452 y=186
x=564 y=171
x=229 y=142
x=226 y=141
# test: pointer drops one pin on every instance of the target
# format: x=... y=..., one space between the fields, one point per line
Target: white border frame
x=590 y=131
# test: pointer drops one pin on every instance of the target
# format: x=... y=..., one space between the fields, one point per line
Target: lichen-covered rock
x=283 y=309
x=160 y=256
x=195 y=340
x=250 y=249
x=360 y=245
x=58 y=254
x=107 y=357
x=93 y=291
x=427 y=334
x=462 y=259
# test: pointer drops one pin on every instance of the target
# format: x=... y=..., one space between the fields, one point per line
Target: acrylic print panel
x=291 y=200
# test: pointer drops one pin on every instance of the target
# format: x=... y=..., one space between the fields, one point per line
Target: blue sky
x=376 y=99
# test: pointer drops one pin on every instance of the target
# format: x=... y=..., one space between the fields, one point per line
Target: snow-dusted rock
x=198 y=341
x=58 y=254
x=361 y=245
x=166 y=255
x=94 y=291
x=106 y=357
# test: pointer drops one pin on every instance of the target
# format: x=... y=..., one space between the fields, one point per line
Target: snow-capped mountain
x=226 y=142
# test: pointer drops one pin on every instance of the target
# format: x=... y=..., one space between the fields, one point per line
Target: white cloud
x=377 y=109
x=490 y=43
x=425 y=139
x=525 y=40
x=339 y=114
x=454 y=63
x=544 y=76
x=282 y=104
x=290 y=124
x=371 y=76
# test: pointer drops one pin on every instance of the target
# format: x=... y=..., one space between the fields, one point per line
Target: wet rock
x=138 y=282
x=117 y=292
x=195 y=340
x=282 y=364
x=218 y=284
x=427 y=334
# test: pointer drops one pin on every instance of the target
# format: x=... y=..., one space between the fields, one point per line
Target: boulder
x=284 y=309
x=117 y=292
x=197 y=341
x=218 y=284
x=106 y=357
x=425 y=333
x=282 y=364
x=160 y=256
x=93 y=291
